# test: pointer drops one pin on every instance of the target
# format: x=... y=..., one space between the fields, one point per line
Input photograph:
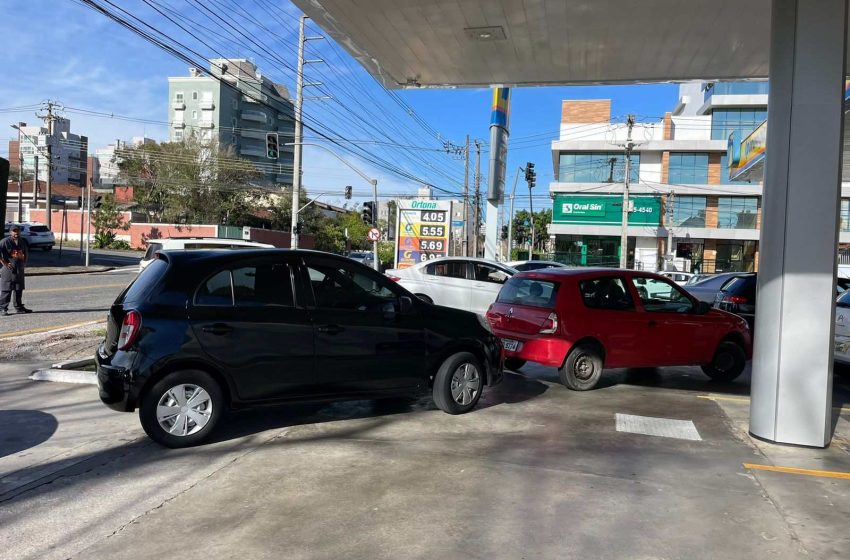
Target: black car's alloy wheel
x=182 y=409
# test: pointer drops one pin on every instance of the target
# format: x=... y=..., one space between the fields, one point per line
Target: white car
x=522 y=266
x=461 y=282
x=680 y=278
x=192 y=243
x=36 y=234
x=841 y=341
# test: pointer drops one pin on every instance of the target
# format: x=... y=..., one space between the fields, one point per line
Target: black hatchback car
x=200 y=332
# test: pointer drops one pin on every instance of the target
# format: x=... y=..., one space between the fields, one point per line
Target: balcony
x=255 y=116
x=207 y=124
x=207 y=104
x=178 y=124
x=252 y=152
x=178 y=106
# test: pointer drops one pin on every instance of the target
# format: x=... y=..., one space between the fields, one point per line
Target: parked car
x=363 y=257
x=463 y=283
x=582 y=321
x=522 y=266
x=193 y=243
x=37 y=234
x=199 y=332
x=706 y=290
x=680 y=278
x=738 y=296
x=841 y=351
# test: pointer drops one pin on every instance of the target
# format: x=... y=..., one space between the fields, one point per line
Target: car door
x=249 y=323
x=365 y=343
x=448 y=283
x=488 y=280
x=842 y=328
x=677 y=334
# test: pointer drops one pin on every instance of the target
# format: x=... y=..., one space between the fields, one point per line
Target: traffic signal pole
x=375 y=259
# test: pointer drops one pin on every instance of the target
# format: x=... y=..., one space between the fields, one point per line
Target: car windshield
x=844 y=299
x=360 y=255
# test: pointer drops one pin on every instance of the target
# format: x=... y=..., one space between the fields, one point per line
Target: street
x=536 y=471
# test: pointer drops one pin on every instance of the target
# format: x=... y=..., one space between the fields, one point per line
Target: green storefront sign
x=605 y=210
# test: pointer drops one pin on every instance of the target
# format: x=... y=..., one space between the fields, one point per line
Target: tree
x=106 y=220
x=522 y=227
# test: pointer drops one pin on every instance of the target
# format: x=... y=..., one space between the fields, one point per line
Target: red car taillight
x=550 y=325
x=394 y=278
x=735 y=299
x=129 y=330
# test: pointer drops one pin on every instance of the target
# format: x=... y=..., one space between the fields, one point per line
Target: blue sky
x=61 y=50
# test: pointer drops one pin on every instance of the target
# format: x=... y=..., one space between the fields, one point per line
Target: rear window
x=152 y=248
x=744 y=286
x=39 y=229
x=145 y=281
x=530 y=292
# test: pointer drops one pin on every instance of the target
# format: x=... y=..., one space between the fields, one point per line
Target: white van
x=192 y=243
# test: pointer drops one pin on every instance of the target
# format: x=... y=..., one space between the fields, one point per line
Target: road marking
x=843 y=409
x=793 y=470
x=662 y=427
x=48 y=329
x=75 y=288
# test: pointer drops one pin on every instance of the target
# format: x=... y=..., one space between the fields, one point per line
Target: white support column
x=491 y=235
x=792 y=366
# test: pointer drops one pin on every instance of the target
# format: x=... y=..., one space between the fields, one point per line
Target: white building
x=68 y=152
x=108 y=162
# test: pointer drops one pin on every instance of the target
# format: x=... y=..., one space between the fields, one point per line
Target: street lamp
x=296 y=202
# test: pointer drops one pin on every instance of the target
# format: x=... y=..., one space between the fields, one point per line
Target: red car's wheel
x=582 y=368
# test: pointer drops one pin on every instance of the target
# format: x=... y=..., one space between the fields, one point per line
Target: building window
x=234 y=123
x=740 y=121
x=735 y=212
x=845 y=214
x=235 y=104
x=596 y=167
x=178 y=135
x=194 y=96
x=688 y=211
x=724 y=172
x=688 y=168
x=194 y=115
x=178 y=97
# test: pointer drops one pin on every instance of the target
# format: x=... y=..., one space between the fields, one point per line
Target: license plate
x=510 y=345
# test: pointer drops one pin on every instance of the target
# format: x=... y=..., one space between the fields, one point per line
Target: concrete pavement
x=536 y=471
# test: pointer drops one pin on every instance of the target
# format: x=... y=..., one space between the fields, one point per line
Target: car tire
x=727 y=364
x=458 y=383
x=514 y=363
x=582 y=368
x=187 y=429
x=425 y=298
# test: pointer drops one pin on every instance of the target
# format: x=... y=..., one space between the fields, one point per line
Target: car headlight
x=485 y=323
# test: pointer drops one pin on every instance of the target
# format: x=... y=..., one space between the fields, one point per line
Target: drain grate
x=661 y=427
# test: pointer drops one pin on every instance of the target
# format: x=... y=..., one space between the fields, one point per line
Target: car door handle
x=330 y=329
x=218 y=329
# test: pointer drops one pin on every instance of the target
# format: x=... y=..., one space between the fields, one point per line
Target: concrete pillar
x=792 y=366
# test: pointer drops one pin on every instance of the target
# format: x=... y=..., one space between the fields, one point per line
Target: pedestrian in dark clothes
x=14 y=251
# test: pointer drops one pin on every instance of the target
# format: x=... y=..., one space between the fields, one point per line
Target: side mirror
x=389 y=311
x=405 y=304
x=703 y=308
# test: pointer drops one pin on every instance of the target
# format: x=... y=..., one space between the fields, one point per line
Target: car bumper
x=545 y=350
x=115 y=386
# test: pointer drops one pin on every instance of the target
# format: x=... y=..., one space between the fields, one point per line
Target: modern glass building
x=679 y=183
x=238 y=113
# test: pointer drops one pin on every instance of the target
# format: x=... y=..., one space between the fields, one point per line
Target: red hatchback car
x=583 y=320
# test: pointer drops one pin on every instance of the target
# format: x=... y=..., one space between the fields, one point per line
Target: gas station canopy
x=478 y=43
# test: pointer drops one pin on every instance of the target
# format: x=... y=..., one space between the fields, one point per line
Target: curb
x=65 y=376
x=49 y=271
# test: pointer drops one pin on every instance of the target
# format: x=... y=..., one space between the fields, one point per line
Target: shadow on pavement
x=23 y=429
x=71 y=256
x=37 y=311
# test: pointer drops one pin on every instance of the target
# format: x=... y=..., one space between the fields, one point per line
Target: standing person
x=14 y=251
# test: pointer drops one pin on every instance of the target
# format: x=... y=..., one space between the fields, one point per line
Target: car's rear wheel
x=514 y=363
x=458 y=384
x=728 y=363
x=582 y=368
x=425 y=298
x=182 y=408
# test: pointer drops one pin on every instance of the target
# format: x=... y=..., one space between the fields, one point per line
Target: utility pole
x=299 y=129
x=624 y=234
x=465 y=239
x=35 y=184
x=477 y=224
x=21 y=175
x=49 y=118
x=511 y=216
x=669 y=223
x=531 y=179
x=88 y=222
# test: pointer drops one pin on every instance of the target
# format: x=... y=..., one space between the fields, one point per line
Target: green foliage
x=522 y=227
x=386 y=253
x=105 y=221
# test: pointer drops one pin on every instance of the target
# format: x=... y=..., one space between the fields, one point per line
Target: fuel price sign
x=423 y=231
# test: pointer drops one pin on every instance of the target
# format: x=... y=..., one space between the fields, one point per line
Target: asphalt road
x=64 y=300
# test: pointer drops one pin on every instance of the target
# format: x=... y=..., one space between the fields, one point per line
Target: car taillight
x=394 y=278
x=550 y=325
x=735 y=299
x=129 y=330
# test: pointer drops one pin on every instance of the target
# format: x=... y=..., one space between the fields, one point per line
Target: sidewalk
x=72 y=261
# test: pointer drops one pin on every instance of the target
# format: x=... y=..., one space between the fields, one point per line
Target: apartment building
x=68 y=152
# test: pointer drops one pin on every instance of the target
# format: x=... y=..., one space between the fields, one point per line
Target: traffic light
x=348 y=192
x=272 y=146
x=368 y=212
x=97 y=202
x=298 y=228
x=530 y=175
x=504 y=232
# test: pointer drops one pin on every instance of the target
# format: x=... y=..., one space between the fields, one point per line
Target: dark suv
x=199 y=332
x=738 y=296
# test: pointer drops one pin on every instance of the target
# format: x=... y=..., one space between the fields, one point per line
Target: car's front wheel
x=182 y=408
x=582 y=368
x=728 y=363
x=458 y=383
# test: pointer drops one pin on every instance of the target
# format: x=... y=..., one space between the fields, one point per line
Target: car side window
x=661 y=296
x=450 y=269
x=216 y=290
x=263 y=285
x=340 y=287
x=487 y=273
x=606 y=293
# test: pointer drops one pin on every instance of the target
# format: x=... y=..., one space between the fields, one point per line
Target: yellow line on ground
x=843 y=409
x=46 y=329
x=793 y=470
x=75 y=288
